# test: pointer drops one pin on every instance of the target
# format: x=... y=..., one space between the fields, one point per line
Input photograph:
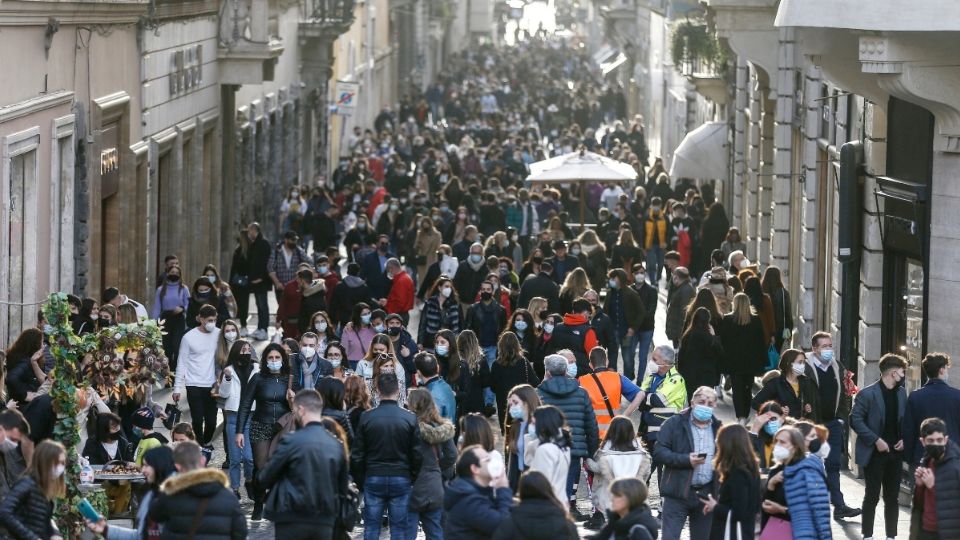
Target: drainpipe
x=850 y=240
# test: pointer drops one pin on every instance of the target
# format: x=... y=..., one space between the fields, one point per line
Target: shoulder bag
x=603 y=393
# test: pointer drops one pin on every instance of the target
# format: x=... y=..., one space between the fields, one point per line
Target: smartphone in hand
x=87 y=511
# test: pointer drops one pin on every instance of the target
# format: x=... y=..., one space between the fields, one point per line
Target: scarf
x=308 y=368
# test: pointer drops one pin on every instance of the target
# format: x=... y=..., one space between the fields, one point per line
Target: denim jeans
x=833 y=462
x=620 y=349
x=386 y=492
x=640 y=342
x=431 y=521
x=239 y=457
x=573 y=477
x=490 y=353
x=654 y=264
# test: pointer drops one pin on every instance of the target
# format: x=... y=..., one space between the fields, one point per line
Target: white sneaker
x=260 y=335
x=244 y=332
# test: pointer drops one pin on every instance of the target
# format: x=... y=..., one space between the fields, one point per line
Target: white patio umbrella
x=702 y=153
x=581 y=167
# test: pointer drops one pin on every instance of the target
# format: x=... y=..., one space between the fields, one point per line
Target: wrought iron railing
x=331 y=12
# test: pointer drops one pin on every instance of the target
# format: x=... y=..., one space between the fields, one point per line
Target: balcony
x=707 y=75
x=323 y=19
x=747 y=26
x=700 y=57
x=247 y=52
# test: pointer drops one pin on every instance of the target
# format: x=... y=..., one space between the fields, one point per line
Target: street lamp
x=322 y=22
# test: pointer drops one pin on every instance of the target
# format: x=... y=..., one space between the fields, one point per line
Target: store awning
x=702 y=153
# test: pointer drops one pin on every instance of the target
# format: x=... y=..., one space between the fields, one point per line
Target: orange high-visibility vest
x=611 y=384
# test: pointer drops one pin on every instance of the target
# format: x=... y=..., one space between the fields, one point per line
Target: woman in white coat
x=547 y=447
x=237 y=372
x=620 y=455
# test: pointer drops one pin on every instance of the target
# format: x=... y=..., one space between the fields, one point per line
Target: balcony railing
x=329 y=12
x=700 y=68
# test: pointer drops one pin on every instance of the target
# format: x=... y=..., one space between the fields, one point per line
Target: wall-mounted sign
x=186 y=70
x=345 y=98
x=109 y=161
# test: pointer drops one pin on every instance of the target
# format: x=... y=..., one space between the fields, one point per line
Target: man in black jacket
x=197 y=502
x=385 y=459
x=258 y=255
x=306 y=475
x=643 y=337
x=560 y=262
x=348 y=293
x=543 y=286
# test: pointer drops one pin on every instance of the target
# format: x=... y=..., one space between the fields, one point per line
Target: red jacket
x=575 y=319
x=375 y=201
x=330 y=281
x=288 y=309
x=400 y=299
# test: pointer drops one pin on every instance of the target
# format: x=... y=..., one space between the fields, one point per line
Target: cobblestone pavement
x=852 y=487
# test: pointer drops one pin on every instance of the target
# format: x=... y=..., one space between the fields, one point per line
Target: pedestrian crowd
x=531 y=372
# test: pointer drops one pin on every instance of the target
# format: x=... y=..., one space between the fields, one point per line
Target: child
x=143 y=419
x=620 y=455
x=184 y=432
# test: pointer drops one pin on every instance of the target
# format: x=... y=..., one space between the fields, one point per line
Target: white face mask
x=824 y=450
x=335 y=362
x=210 y=326
x=94 y=316
x=495 y=466
x=230 y=336
x=446 y=291
x=798 y=369
x=58 y=470
x=780 y=453
x=307 y=352
x=321 y=327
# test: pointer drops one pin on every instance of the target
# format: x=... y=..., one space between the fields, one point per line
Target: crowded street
x=479 y=270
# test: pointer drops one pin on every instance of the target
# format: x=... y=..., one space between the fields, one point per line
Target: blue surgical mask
x=548 y=328
x=137 y=432
x=702 y=413
x=380 y=328
x=365 y=319
x=274 y=366
x=772 y=427
x=612 y=283
x=826 y=355
x=476 y=258
x=520 y=325
x=516 y=412
x=572 y=370
x=442 y=350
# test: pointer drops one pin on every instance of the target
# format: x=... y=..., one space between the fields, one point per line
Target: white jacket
x=550 y=460
x=608 y=465
x=230 y=390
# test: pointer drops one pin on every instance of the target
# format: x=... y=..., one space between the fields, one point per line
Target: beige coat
x=426 y=245
x=608 y=465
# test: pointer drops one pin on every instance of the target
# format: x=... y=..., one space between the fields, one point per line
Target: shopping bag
x=777 y=529
x=173 y=415
x=773 y=357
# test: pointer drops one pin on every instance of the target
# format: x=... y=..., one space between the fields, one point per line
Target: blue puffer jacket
x=805 y=484
x=474 y=512
x=567 y=395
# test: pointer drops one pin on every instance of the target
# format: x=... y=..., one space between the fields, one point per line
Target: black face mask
x=173 y=278
x=243 y=358
x=936 y=451
x=394 y=331
x=814 y=446
x=486 y=296
x=383 y=248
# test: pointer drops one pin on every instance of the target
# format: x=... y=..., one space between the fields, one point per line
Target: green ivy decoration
x=134 y=359
x=693 y=39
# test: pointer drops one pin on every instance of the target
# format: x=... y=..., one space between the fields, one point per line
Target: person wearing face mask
x=227 y=303
x=792 y=389
x=109 y=444
x=547 y=446
x=403 y=342
x=13 y=429
x=170 y=305
x=239 y=369
x=307 y=475
x=203 y=293
x=328 y=274
x=284 y=262
x=487 y=318
x=196 y=373
x=334 y=354
x=876 y=418
x=476 y=501
x=27 y=511
x=929 y=401
x=471 y=273
x=442 y=311
x=143 y=419
x=685 y=449
x=426 y=247
x=664 y=392
x=830 y=375
x=806 y=500
x=561 y=389
x=765 y=425
x=307 y=366
x=937 y=489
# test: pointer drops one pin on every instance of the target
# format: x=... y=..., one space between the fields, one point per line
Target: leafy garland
x=123 y=360
x=693 y=39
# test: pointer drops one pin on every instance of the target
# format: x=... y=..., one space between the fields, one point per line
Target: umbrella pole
x=583 y=208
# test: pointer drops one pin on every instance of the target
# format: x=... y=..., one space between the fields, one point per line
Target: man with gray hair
x=561 y=389
x=402 y=290
x=470 y=274
x=685 y=448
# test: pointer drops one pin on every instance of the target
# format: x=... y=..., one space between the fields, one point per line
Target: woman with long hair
x=127 y=314
x=763 y=305
x=337 y=356
x=713 y=232
x=381 y=344
x=700 y=356
x=574 y=285
x=593 y=258
x=770 y=417
x=626 y=252
x=546 y=345
x=738 y=499
x=531 y=266
x=521 y=402
x=442 y=311
x=268 y=390
x=475 y=429
x=521 y=323
x=157 y=466
x=537 y=307
x=388 y=363
x=439 y=453
x=804 y=485
x=239 y=369
x=538 y=514
x=356 y=397
x=108 y=316
x=703 y=299
x=474 y=374
x=229 y=334
x=629 y=517
x=448 y=359
x=27 y=509
x=358 y=333
x=772 y=283
x=24 y=366
x=792 y=389
x=744 y=351
x=425 y=247
x=227 y=303
x=510 y=369
x=547 y=448
x=732 y=242
x=321 y=325
x=333 y=392
x=621 y=455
